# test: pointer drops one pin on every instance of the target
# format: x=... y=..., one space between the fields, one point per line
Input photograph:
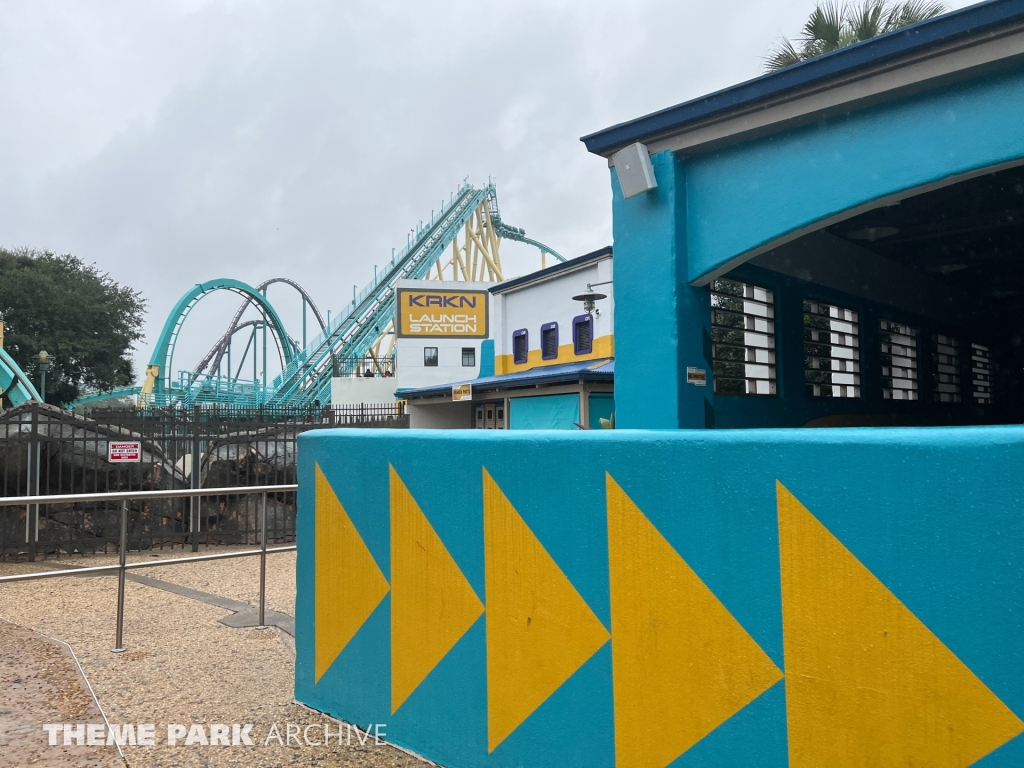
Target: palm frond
x=909 y=12
x=868 y=20
x=834 y=24
x=823 y=30
x=781 y=56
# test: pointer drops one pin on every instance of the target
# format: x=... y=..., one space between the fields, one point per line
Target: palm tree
x=834 y=25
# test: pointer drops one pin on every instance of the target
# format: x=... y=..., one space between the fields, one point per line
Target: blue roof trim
x=542 y=273
x=973 y=20
x=602 y=369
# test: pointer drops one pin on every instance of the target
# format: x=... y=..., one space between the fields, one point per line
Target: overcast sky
x=175 y=142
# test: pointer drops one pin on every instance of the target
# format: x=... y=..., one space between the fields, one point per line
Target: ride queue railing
x=47 y=451
x=124 y=566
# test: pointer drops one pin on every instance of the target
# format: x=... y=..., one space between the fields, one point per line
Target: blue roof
x=602 y=369
x=968 y=22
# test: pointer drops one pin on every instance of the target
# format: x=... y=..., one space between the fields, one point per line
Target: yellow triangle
x=349 y=585
x=681 y=664
x=866 y=682
x=432 y=604
x=539 y=629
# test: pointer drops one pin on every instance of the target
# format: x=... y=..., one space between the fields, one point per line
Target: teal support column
x=646 y=332
x=660 y=320
x=693 y=313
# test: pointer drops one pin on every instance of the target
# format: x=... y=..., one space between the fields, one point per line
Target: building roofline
x=971 y=22
x=540 y=275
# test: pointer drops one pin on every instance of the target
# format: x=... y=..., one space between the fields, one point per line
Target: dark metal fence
x=47 y=451
x=364 y=366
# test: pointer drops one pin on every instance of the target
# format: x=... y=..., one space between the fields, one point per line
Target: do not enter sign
x=124 y=452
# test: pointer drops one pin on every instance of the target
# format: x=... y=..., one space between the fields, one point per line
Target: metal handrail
x=123 y=566
x=98 y=569
x=236 y=490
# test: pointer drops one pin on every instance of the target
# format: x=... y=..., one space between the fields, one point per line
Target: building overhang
x=939 y=51
x=593 y=371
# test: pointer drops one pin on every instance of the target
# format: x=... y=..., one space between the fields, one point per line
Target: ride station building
x=835 y=243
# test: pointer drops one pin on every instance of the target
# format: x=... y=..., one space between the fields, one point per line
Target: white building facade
x=546 y=360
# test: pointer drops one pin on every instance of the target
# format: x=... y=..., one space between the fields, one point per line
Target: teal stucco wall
x=923 y=542
x=751 y=194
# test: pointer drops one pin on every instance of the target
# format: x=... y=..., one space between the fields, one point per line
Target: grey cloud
x=174 y=143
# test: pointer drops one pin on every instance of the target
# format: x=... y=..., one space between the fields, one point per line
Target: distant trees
x=79 y=315
x=834 y=25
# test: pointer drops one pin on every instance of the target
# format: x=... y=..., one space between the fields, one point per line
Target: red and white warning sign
x=122 y=452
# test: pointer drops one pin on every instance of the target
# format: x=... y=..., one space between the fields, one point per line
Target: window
x=947 y=369
x=583 y=334
x=468 y=357
x=430 y=357
x=520 y=346
x=981 y=374
x=743 y=338
x=831 y=351
x=549 y=341
x=899 y=361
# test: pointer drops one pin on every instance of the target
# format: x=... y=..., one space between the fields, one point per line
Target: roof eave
x=561 y=378
x=972 y=22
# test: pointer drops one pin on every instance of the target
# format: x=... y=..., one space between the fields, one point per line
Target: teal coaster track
x=15 y=387
x=353 y=333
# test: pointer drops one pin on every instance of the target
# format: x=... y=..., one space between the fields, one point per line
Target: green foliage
x=79 y=315
x=833 y=25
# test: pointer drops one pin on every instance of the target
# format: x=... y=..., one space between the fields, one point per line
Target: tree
x=833 y=25
x=79 y=315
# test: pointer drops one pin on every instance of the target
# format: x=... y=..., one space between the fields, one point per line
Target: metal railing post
x=196 y=480
x=263 y=563
x=119 y=642
x=32 y=527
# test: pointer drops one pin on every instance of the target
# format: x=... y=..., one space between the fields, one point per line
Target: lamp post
x=43 y=362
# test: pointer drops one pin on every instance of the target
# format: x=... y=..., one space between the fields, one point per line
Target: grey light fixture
x=590 y=296
x=43 y=361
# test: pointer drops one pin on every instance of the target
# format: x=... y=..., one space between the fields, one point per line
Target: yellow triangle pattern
x=432 y=604
x=539 y=629
x=349 y=584
x=866 y=682
x=681 y=663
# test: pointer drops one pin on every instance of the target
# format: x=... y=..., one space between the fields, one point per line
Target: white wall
x=412 y=373
x=534 y=305
x=352 y=390
x=441 y=416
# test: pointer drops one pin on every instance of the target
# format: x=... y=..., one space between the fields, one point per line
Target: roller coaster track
x=355 y=332
x=216 y=354
x=15 y=386
x=352 y=331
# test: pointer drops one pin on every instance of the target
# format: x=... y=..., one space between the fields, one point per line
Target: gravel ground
x=182 y=666
x=237 y=578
